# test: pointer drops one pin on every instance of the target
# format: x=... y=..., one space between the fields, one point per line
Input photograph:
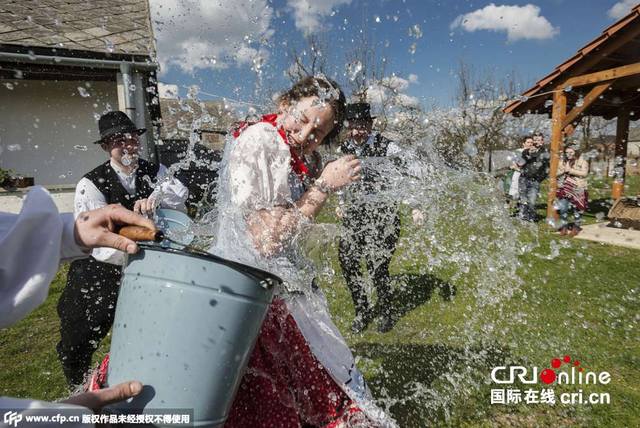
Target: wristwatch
x=322 y=185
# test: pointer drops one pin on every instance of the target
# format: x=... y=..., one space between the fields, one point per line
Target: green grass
x=434 y=367
x=29 y=364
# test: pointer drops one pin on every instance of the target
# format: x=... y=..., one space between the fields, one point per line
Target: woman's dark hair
x=575 y=149
x=324 y=88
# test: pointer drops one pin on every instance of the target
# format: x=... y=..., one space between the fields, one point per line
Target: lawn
x=456 y=320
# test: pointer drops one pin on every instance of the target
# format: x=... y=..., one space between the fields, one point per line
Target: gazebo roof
x=618 y=45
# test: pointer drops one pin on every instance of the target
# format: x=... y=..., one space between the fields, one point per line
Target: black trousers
x=86 y=309
x=370 y=233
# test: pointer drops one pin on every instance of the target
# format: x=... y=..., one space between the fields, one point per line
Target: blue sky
x=511 y=36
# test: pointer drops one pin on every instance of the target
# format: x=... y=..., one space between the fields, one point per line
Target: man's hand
x=96 y=400
x=97 y=228
x=145 y=206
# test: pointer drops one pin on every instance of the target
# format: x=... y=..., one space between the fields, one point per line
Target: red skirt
x=284 y=384
x=578 y=197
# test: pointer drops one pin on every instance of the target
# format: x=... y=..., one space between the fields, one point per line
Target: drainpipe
x=131 y=100
x=125 y=97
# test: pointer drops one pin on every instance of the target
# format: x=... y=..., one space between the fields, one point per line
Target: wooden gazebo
x=601 y=79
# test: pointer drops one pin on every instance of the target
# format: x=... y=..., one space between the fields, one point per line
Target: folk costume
x=87 y=304
x=301 y=371
x=371 y=228
x=572 y=194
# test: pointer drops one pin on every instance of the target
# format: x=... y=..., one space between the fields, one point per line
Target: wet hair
x=538 y=134
x=324 y=88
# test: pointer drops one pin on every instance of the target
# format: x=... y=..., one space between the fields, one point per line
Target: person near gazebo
x=572 y=196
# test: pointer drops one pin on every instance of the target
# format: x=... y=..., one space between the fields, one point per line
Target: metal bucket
x=185 y=326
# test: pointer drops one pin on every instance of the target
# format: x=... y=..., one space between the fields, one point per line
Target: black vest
x=378 y=148
x=106 y=180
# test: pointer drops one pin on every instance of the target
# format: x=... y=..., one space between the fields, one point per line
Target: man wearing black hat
x=371 y=228
x=87 y=304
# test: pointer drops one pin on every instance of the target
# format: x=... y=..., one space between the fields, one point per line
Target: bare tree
x=309 y=61
x=477 y=126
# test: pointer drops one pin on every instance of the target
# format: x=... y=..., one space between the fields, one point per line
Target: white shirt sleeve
x=88 y=198
x=259 y=168
x=32 y=244
x=170 y=192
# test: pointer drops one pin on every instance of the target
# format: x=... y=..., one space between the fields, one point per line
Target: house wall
x=47 y=128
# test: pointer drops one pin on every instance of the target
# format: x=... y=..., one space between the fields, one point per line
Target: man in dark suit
x=371 y=226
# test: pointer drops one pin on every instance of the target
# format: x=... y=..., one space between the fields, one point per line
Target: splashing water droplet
x=415 y=31
x=9 y=86
x=14 y=147
x=568 y=88
x=83 y=92
x=353 y=69
x=548 y=103
x=193 y=91
x=81 y=148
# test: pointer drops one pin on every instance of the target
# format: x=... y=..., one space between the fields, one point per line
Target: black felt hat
x=116 y=123
x=359 y=111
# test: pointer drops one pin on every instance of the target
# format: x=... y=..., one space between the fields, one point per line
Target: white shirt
x=32 y=243
x=170 y=192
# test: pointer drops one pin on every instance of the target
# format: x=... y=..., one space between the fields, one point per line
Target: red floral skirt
x=577 y=196
x=284 y=384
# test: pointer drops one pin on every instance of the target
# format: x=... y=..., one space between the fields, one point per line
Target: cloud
x=168 y=90
x=201 y=34
x=389 y=91
x=308 y=14
x=621 y=8
x=519 y=22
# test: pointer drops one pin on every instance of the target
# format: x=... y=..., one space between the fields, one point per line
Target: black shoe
x=385 y=323
x=362 y=321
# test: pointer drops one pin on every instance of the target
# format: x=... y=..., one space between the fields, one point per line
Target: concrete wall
x=47 y=128
x=11 y=202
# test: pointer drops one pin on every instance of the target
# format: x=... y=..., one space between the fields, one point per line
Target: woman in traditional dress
x=572 y=193
x=272 y=185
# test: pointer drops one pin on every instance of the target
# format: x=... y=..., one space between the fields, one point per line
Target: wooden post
x=557 y=118
x=620 y=162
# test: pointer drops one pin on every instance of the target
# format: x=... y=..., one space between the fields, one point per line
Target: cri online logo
x=576 y=374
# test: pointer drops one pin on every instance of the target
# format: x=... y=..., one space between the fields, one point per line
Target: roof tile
x=4 y=28
x=78 y=24
x=97 y=31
